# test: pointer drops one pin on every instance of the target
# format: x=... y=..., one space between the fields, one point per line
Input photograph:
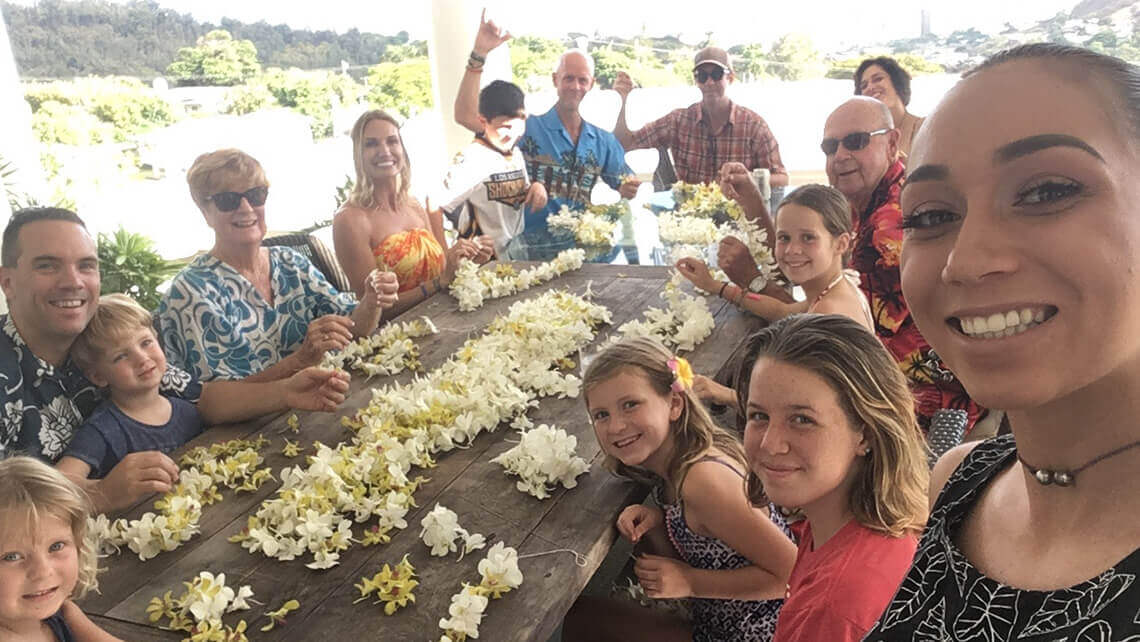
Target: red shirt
x=699 y=152
x=875 y=255
x=838 y=591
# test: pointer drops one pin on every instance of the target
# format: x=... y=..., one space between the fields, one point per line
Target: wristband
x=474 y=69
x=722 y=287
x=423 y=290
x=476 y=57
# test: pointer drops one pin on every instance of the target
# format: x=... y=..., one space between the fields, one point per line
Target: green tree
x=750 y=61
x=217 y=59
x=533 y=60
x=403 y=88
x=397 y=52
x=843 y=69
x=310 y=93
x=794 y=57
x=917 y=65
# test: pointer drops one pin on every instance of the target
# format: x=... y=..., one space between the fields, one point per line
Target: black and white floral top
x=943 y=596
x=43 y=405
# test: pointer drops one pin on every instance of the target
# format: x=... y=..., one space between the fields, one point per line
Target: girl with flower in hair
x=46 y=557
x=707 y=538
x=831 y=430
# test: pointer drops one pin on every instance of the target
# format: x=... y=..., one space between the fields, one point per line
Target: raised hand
x=385 y=286
x=489 y=35
x=697 y=273
x=623 y=84
x=330 y=332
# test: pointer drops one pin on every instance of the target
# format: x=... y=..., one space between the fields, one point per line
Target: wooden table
x=465 y=481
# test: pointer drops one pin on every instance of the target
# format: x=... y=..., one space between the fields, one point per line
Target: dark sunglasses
x=853 y=142
x=230 y=201
x=702 y=76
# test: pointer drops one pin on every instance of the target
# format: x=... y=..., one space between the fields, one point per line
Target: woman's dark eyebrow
x=1033 y=144
x=928 y=173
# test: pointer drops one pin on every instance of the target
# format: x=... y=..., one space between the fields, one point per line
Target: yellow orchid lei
x=199 y=609
x=388 y=352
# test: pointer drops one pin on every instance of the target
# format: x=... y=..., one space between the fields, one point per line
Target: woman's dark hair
x=900 y=78
x=501 y=98
x=1123 y=76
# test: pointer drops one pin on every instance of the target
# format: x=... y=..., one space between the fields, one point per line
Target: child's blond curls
x=31 y=490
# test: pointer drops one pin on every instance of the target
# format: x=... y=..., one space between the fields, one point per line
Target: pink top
x=838 y=591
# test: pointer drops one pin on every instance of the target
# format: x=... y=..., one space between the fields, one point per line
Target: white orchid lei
x=388 y=352
x=440 y=530
x=589 y=228
x=233 y=464
x=495 y=377
x=199 y=610
x=683 y=325
x=500 y=573
x=543 y=458
x=674 y=228
x=472 y=286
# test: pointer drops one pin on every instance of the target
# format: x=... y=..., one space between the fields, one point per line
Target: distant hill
x=1099 y=8
x=62 y=39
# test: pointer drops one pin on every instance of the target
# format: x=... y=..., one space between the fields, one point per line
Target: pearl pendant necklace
x=1066 y=478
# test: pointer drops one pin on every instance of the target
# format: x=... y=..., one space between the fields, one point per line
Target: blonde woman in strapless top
x=383 y=226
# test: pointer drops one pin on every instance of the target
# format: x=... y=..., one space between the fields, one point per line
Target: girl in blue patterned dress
x=729 y=553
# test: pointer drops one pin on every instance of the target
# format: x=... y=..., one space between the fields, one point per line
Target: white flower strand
x=499 y=573
x=233 y=464
x=682 y=326
x=473 y=286
x=387 y=352
x=492 y=378
x=589 y=228
x=543 y=458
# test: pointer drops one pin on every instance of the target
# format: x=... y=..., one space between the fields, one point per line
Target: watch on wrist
x=758 y=284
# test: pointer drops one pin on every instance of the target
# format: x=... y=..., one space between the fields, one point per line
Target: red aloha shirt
x=878 y=243
x=699 y=153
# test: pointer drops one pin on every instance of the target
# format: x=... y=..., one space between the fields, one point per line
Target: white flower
x=440 y=530
x=466 y=613
x=544 y=457
x=208 y=598
x=501 y=568
x=239 y=602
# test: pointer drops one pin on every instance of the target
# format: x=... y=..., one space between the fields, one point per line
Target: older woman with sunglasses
x=246 y=311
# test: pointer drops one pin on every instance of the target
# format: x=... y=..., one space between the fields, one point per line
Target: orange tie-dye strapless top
x=414 y=255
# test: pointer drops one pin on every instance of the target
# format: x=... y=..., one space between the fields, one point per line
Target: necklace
x=1045 y=477
x=824 y=292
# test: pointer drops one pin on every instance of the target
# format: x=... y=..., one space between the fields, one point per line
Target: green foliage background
x=128 y=264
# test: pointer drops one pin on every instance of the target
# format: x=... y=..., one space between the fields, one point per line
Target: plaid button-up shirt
x=698 y=152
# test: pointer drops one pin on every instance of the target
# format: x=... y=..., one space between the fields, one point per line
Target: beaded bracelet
x=476 y=57
x=722 y=287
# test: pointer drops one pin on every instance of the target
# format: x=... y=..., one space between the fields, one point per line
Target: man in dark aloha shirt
x=49 y=271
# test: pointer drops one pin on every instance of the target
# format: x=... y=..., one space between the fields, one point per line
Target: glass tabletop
x=635 y=240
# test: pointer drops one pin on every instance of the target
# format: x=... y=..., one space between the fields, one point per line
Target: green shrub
x=248 y=98
x=129 y=265
x=402 y=88
x=311 y=93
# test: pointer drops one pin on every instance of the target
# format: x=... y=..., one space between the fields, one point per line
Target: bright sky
x=831 y=23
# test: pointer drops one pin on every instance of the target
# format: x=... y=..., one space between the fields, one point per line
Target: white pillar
x=453 y=27
x=18 y=146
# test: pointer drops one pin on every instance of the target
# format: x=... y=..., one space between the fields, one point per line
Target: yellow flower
x=291 y=449
x=161 y=607
x=294 y=424
x=684 y=373
x=278 y=616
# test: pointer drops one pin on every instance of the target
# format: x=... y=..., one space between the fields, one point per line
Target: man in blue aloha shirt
x=49 y=271
x=563 y=152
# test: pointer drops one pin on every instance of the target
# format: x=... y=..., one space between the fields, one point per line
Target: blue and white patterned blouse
x=216 y=325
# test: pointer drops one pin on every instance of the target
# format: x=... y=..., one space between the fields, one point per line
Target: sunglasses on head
x=716 y=73
x=230 y=201
x=853 y=142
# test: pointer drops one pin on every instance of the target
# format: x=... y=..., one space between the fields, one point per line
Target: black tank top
x=943 y=596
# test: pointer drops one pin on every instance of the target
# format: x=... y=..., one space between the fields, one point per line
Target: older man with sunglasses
x=861 y=145
x=705 y=135
x=246 y=311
